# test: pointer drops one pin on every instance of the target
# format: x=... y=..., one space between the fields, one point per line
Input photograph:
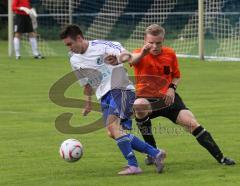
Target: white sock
x=33 y=42
x=16 y=43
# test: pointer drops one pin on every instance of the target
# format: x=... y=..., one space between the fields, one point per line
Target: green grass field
x=30 y=142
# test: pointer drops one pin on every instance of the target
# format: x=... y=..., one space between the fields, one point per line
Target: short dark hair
x=71 y=31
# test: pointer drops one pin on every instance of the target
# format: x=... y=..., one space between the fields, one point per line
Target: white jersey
x=91 y=69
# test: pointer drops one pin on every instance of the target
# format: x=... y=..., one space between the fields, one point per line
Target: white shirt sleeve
x=114 y=48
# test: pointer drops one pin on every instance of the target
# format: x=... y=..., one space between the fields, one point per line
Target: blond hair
x=155 y=30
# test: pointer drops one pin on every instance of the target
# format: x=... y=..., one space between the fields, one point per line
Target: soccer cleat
x=39 y=56
x=18 y=57
x=159 y=161
x=149 y=160
x=227 y=161
x=130 y=170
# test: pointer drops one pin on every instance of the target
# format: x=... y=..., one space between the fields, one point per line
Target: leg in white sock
x=33 y=42
x=16 y=43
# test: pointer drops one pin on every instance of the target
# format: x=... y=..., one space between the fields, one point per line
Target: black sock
x=145 y=127
x=205 y=139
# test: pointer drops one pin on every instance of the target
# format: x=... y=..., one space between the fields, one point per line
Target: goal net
x=126 y=20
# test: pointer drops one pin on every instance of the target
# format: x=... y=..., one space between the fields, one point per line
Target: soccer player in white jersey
x=113 y=88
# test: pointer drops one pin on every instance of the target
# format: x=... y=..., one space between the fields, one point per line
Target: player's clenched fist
x=145 y=49
x=111 y=59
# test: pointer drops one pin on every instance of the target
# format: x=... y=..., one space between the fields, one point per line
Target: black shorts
x=23 y=24
x=170 y=112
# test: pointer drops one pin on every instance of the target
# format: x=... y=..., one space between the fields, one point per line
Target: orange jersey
x=153 y=74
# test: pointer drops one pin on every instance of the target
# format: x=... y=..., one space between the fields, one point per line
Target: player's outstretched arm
x=124 y=57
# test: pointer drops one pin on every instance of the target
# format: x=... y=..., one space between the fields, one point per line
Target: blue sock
x=125 y=146
x=142 y=146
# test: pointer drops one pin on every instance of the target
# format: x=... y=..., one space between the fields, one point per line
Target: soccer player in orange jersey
x=157 y=76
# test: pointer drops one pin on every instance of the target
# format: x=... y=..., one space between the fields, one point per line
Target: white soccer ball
x=71 y=150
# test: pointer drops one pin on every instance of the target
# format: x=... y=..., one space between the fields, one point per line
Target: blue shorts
x=119 y=103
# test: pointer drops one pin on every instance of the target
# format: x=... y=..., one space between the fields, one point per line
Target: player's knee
x=141 y=107
x=17 y=35
x=110 y=134
x=110 y=128
x=193 y=124
x=32 y=34
x=112 y=131
x=187 y=120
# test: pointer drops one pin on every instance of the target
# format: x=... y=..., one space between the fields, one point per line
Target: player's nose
x=154 y=45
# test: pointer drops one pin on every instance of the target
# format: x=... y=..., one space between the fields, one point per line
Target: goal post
x=201 y=29
x=10 y=29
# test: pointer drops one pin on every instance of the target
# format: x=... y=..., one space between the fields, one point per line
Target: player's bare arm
x=88 y=91
x=138 y=56
x=123 y=57
x=170 y=95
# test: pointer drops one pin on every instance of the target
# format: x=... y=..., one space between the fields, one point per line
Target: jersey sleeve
x=114 y=48
x=81 y=80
